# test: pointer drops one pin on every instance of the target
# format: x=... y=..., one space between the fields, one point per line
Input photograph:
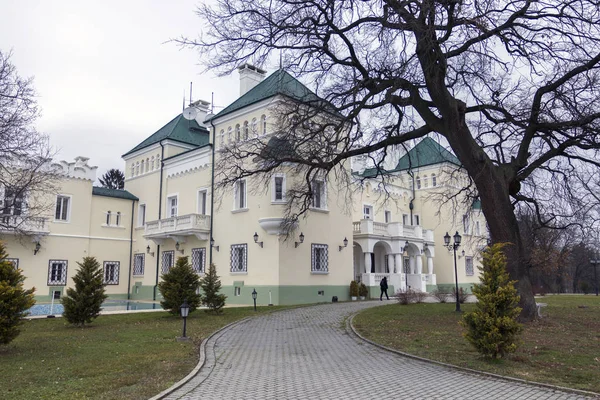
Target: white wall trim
x=90 y=237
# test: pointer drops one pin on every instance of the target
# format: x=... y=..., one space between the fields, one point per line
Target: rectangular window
x=57 y=272
x=388 y=217
x=138 y=263
x=202 y=202
x=404 y=219
x=13 y=261
x=111 y=272
x=237 y=291
x=278 y=188
x=466 y=224
x=62 y=208
x=416 y=219
x=199 y=259
x=477 y=228
x=319 y=258
x=118 y=218
x=239 y=258
x=367 y=212
x=319 y=196
x=141 y=215
x=240 y=194
x=172 y=206
x=469 y=266
x=108 y=218
x=168 y=260
x=13 y=202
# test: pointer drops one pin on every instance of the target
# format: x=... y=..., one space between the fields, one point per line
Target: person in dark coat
x=384 y=286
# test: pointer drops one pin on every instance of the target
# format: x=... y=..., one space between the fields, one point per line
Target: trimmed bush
x=83 y=303
x=493 y=328
x=180 y=283
x=363 y=291
x=14 y=300
x=211 y=297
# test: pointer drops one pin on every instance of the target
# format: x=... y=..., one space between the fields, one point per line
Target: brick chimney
x=250 y=76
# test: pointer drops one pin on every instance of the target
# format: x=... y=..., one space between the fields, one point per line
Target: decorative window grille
x=168 y=258
x=199 y=259
x=469 y=266
x=62 y=208
x=13 y=261
x=239 y=257
x=138 y=264
x=388 y=217
x=57 y=272
x=319 y=258
x=406 y=265
x=111 y=272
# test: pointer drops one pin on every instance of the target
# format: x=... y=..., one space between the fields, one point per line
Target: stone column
x=412 y=262
x=419 y=264
x=398 y=263
x=368 y=262
x=430 y=265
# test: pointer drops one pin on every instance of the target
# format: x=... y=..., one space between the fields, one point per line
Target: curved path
x=306 y=353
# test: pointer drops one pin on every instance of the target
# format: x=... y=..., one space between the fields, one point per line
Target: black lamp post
x=454 y=246
x=254 y=295
x=405 y=250
x=185 y=311
x=595 y=263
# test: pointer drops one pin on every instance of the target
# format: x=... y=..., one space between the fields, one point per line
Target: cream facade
x=169 y=209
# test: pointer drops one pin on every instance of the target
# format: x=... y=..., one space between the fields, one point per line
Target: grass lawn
x=132 y=356
x=561 y=349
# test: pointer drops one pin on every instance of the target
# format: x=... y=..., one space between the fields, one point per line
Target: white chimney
x=393 y=154
x=250 y=76
x=358 y=163
x=201 y=107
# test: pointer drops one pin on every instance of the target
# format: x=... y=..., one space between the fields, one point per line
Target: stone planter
x=362 y=297
x=353 y=298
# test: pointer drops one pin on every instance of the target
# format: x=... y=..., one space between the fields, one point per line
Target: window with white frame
x=388 y=217
x=142 y=167
x=13 y=261
x=137 y=167
x=418 y=182
x=199 y=259
x=278 y=188
x=138 y=263
x=240 y=194
x=152 y=164
x=132 y=169
x=237 y=291
x=319 y=194
x=425 y=181
x=111 y=272
x=118 y=218
x=108 y=218
x=466 y=224
x=229 y=135
x=172 y=206
x=477 y=228
x=63 y=208
x=222 y=137
x=367 y=212
x=141 y=215
x=203 y=201
x=168 y=260
x=239 y=257
x=319 y=258
x=246 y=129
x=405 y=220
x=57 y=272
x=417 y=219
x=433 y=180
x=254 y=128
x=469 y=270
x=238 y=134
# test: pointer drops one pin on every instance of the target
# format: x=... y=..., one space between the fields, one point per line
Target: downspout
x=411 y=205
x=130 y=250
x=212 y=194
x=162 y=164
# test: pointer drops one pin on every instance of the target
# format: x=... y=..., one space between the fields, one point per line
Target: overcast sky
x=104 y=75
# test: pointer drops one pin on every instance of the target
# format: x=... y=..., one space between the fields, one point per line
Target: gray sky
x=104 y=75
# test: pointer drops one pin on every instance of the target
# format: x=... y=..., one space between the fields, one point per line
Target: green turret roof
x=278 y=83
x=178 y=129
x=426 y=152
x=116 y=193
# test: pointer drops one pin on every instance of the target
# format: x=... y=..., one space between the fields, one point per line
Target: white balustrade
x=13 y=223
x=189 y=222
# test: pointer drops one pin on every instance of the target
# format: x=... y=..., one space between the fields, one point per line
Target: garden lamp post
x=254 y=295
x=185 y=311
x=454 y=246
x=595 y=263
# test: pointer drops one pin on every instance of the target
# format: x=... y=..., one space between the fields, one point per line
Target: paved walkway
x=306 y=353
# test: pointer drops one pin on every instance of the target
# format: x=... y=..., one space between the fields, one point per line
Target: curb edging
x=464 y=369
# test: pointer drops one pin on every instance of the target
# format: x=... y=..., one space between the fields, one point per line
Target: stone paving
x=307 y=353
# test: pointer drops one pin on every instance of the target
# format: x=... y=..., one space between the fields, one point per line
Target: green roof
x=278 y=83
x=426 y=152
x=178 y=129
x=116 y=193
x=476 y=204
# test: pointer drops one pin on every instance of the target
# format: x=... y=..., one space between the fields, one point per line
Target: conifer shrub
x=14 y=299
x=493 y=328
x=83 y=303
x=211 y=285
x=363 y=291
x=180 y=283
x=353 y=289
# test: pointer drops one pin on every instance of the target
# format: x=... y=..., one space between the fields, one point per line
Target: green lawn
x=561 y=349
x=131 y=356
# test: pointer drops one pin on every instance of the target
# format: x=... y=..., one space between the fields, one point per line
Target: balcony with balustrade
x=22 y=224
x=178 y=228
x=390 y=230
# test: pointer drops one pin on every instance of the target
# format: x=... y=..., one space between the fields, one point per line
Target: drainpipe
x=212 y=194
x=130 y=250
x=162 y=164
x=411 y=205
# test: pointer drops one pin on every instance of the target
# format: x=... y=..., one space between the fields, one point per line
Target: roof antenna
x=183 y=105
x=280 y=59
x=212 y=102
x=191 y=94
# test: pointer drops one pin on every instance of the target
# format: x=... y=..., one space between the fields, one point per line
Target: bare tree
x=511 y=86
x=113 y=179
x=26 y=177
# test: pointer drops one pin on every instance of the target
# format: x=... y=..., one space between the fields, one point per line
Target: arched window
x=148 y=164
x=157 y=161
x=254 y=128
x=118 y=218
x=246 y=135
x=238 y=136
x=433 y=180
x=222 y=137
x=418 y=182
x=229 y=135
x=132 y=169
x=426 y=181
x=152 y=163
x=263 y=121
x=137 y=168
x=142 y=167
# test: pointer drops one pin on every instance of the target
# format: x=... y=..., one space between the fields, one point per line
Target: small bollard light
x=254 y=295
x=185 y=311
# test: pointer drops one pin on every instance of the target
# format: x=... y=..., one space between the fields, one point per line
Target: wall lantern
x=177 y=246
x=256 y=240
x=38 y=246
x=345 y=244
x=212 y=244
x=148 y=251
x=301 y=237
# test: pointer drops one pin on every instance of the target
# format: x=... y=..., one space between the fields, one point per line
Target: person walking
x=384 y=287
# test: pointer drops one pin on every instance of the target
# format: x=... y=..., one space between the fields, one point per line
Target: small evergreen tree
x=493 y=328
x=354 y=289
x=179 y=284
x=113 y=179
x=14 y=300
x=82 y=303
x=211 y=285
